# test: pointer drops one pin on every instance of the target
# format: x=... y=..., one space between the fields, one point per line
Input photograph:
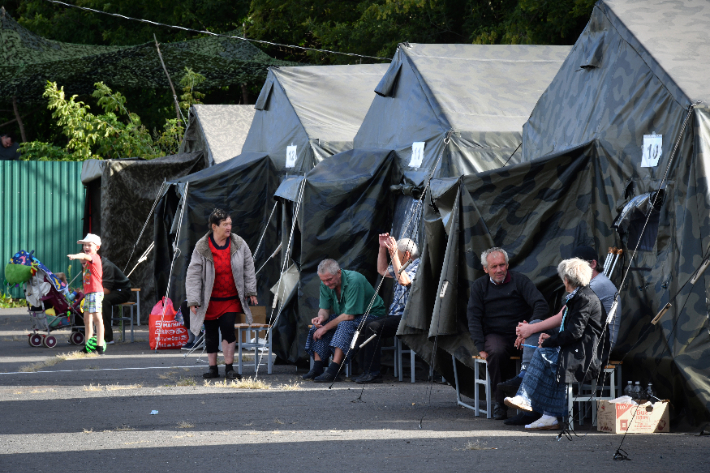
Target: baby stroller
x=51 y=305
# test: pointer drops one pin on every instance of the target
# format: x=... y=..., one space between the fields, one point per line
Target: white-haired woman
x=571 y=355
x=401 y=253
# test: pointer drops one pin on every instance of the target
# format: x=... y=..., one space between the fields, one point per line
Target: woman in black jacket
x=567 y=356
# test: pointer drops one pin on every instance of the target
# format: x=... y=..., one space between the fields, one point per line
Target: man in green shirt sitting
x=344 y=298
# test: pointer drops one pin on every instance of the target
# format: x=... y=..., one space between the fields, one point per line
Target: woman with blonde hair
x=571 y=355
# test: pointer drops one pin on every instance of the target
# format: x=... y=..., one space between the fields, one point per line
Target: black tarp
x=122 y=193
x=346 y=205
x=243 y=187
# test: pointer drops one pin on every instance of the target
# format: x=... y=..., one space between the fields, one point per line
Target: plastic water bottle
x=649 y=392
x=629 y=389
x=638 y=394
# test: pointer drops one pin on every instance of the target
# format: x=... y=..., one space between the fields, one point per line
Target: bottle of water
x=629 y=389
x=638 y=394
x=649 y=392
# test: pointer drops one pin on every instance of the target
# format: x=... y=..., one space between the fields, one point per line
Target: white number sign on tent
x=417 y=154
x=291 y=156
x=652 y=148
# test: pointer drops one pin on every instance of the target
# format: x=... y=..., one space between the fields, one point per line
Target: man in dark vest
x=117 y=290
x=499 y=301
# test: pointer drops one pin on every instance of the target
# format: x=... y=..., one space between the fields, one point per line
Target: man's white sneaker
x=544 y=423
x=518 y=402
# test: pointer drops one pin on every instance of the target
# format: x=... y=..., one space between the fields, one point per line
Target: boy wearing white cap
x=93 y=289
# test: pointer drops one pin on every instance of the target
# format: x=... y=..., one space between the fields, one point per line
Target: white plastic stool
x=248 y=330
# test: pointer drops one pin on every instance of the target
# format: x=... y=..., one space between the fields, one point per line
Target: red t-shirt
x=225 y=297
x=92 y=275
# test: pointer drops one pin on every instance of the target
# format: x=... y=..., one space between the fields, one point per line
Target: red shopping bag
x=172 y=333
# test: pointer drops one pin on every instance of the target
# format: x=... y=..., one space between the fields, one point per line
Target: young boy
x=93 y=289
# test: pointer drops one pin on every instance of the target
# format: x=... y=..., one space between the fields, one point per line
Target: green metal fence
x=41 y=209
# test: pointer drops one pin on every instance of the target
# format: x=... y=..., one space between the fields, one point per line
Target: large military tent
x=346 y=204
x=305 y=114
x=119 y=196
x=462 y=104
x=624 y=124
x=217 y=130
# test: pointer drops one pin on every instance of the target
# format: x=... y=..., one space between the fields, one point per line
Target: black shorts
x=225 y=324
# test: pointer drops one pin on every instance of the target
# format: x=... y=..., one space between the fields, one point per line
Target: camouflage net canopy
x=29 y=61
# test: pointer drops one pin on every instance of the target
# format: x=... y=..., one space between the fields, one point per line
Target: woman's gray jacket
x=200 y=278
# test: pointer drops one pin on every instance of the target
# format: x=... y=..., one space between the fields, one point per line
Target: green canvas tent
x=305 y=114
x=460 y=107
x=596 y=150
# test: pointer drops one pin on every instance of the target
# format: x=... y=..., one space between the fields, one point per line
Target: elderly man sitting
x=569 y=355
x=498 y=302
x=344 y=298
x=402 y=252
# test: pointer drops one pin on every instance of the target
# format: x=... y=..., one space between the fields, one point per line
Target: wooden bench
x=137 y=290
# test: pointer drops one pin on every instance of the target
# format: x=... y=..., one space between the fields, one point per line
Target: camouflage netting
x=634 y=72
x=217 y=130
x=29 y=61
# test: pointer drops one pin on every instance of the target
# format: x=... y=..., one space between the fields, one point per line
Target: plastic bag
x=172 y=333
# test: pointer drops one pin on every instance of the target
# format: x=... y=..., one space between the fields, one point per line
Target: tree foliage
x=375 y=28
x=117 y=133
x=367 y=27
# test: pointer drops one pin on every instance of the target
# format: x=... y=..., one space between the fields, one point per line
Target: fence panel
x=41 y=209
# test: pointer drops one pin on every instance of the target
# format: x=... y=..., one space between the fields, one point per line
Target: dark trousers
x=110 y=300
x=500 y=348
x=224 y=325
x=383 y=327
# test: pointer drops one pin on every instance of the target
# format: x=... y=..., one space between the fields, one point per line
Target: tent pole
x=162 y=63
x=176 y=252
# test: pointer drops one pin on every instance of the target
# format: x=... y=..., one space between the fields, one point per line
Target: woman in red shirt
x=219 y=280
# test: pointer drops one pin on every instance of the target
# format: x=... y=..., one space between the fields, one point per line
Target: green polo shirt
x=355 y=295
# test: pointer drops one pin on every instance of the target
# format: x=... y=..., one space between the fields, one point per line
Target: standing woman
x=219 y=279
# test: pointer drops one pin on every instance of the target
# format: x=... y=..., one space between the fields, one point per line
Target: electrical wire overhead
x=191 y=30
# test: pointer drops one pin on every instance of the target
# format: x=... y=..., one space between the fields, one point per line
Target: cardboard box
x=616 y=418
x=258 y=313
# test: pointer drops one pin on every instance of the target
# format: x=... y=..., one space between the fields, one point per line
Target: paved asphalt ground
x=94 y=414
